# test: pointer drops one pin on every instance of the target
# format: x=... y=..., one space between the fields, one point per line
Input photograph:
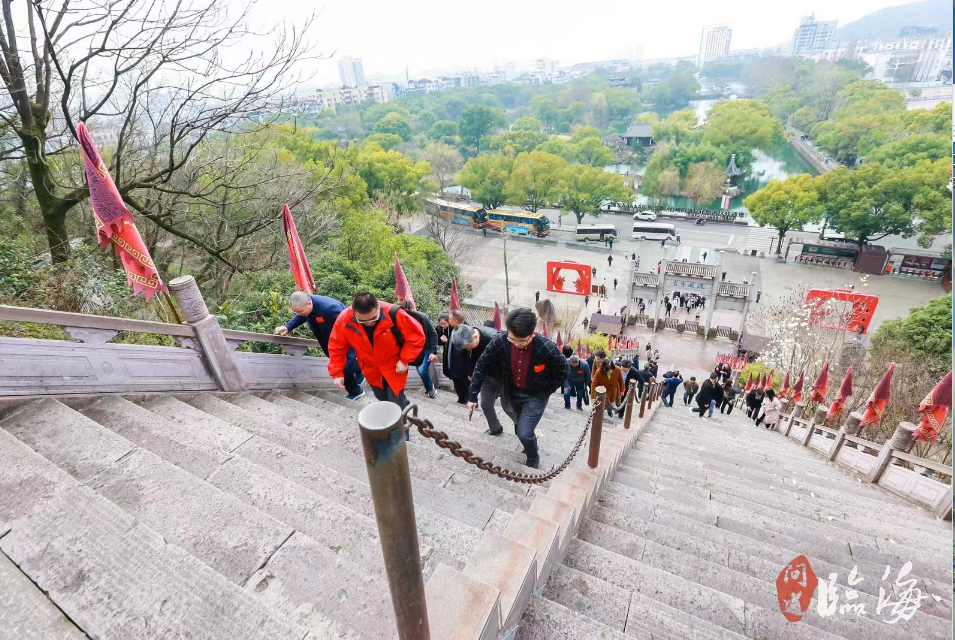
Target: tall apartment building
x=813 y=36
x=351 y=72
x=546 y=66
x=714 y=43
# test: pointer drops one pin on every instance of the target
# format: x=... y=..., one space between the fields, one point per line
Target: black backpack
x=400 y=339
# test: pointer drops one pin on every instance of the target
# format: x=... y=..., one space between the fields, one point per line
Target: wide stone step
x=546 y=620
x=115 y=577
x=588 y=596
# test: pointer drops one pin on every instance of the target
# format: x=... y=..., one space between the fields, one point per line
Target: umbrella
x=749 y=383
x=769 y=380
x=934 y=409
x=821 y=387
x=297 y=262
x=114 y=222
x=796 y=395
x=497 y=318
x=875 y=405
x=455 y=303
x=402 y=288
x=839 y=404
x=784 y=390
x=560 y=343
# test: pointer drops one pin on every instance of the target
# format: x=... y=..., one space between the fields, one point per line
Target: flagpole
x=171 y=306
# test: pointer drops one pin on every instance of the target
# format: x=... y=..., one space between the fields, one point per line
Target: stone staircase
x=249 y=516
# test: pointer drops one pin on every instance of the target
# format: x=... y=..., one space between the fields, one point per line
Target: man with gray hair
x=471 y=343
x=320 y=312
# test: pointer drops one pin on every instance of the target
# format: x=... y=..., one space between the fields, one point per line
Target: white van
x=596 y=231
x=654 y=231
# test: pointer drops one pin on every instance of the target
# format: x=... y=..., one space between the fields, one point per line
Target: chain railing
x=443 y=440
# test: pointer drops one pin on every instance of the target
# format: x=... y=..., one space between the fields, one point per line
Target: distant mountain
x=886 y=23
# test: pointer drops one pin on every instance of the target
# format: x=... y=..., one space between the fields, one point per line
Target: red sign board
x=567 y=276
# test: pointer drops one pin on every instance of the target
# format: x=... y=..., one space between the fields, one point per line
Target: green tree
x=679 y=127
x=559 y=147
x=377 y=111
x=582 y=133
x=909 y=151
x=445 y=131
x=517 y=141
x=426 y=120
x=786 y=205
x=593 y=152
x=527 y=123
x=386 y=141
x=445 y=162
x=782 y=102
x=586 y=188
x=925 y=335
x=546 y=110
x=395 y=124
x=486 y=176
x=622 y=106
x=741 y=125
x=704 y=182
x=535 y=180
x=477 y=121
x=390 y=175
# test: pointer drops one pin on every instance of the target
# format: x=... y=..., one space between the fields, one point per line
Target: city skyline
x=393 y=38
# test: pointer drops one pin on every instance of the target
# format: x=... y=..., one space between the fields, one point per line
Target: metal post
x=643 y=399
x=596 y=428
x=629 y=412
x=386 y=459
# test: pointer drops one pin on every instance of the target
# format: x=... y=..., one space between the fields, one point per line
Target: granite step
x=115 y=577
x=590 y=596
x=546 y=620
x=26 y=612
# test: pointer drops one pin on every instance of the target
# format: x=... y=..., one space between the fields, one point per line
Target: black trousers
x=728 y=406
x=461 y=386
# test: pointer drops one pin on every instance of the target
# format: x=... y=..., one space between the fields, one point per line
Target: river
x=776 y=163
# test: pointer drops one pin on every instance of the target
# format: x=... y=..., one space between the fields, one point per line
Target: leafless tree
x=153 y=80
x=719 y=88
x=455 y=239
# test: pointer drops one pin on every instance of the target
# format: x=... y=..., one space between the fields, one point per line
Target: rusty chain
x=426 y=429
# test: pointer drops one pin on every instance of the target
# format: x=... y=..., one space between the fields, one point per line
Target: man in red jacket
x=384 y=347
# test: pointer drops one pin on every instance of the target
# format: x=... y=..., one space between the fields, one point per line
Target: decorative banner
x=761 y=384
x=588 y=350
x=297 y=262
x=934 y=409
x=784 y=390
x=749 y=383
x=821 y=387
x=402 y=288
x=769 y=380
x=560 y=343
x=796 y=395
x=725 y=203
x=455 y=303
x=498 y=325
x=845 y=391
x=114 y=222
x=580 y=350
x=875 y=405
x=544 y=329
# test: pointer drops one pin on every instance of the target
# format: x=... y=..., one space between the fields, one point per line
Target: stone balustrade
x=733 y=290
x=689 y=270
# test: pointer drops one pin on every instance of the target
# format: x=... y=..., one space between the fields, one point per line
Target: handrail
x=733 y=290
x=865 y=443
x=834 y=432
x=691 y=270
x=251 y=336
x=922 y=462
x=647 y=279
x=67 y=319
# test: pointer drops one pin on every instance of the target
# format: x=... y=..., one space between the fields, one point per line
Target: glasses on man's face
x=369 y=321
x=520 y=342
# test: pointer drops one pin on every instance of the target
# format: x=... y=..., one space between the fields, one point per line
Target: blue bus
x=458 y=212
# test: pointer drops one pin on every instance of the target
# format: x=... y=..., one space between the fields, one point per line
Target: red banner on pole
x=297 y=262
x=455 y=300
x=114 y=222
x=402 y=287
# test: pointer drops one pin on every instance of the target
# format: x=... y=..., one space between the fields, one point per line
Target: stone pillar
x=660 y=287
x=798 y=409
x=783 y=416
x=817 y=419
x=215 y=351
x=849 y=428
x=899 y=442
x=710 y=307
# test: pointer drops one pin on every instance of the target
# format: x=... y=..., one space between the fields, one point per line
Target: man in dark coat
x=523 y=369
x=430 y=346
x=577 y=381
x=754 y=400
x=454 y=363
x=320 y=312
x=709 y=395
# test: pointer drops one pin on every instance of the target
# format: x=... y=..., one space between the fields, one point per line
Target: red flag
x=784 y=390
x=114 y=222
x=297 y=261
x=580 y=350
x=749 y=383
x=761 y=382
x=875 y=405
x=497 y=318
x=611 y=342
x=839 y=404
x=934 y=409
x=821 y=387
x=588 y=349
x=796 y=395
x=455 y=303
x=402 y=288
x=769 y=380
x=560 y=343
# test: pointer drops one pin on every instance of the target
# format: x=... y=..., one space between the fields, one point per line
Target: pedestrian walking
x=649 y=349
x=586 y=301
x=593 y=271
x=759 y=292
x=769 y=410
x=702 y=302
x=471 y=342
x=523 y=369
x=608 y=376
x=577 y=381
x=663 y=243
x=672 y=384
x=609 y=260
x=690 y=387
x=614 y=284
x=723 y=278
x=635 y=257
x=537 y=296
x=430 y=346
x=610 y=242
x=753 y=401
x=669 y=306
x=710 y=392
x=321 y=312
x=729 y=397
x=656 y=355
x=386 y=341
x=454 y=364
x=704 y=256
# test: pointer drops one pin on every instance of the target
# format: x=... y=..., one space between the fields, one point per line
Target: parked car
x=645 y=215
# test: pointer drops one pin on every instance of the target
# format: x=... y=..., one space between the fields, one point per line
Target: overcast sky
x=433 y=36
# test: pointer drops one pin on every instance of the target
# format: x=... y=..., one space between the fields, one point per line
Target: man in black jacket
x=430 y=346
x=455 y=362
x=523 y=369
x=709 y=396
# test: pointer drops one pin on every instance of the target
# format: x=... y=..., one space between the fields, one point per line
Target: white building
x=546 y=66
x=909 y=59
x=331 y=99
x=813 y=36
x=351 y=72
x=714 y=43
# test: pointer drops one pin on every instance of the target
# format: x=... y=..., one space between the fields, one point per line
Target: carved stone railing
x=204 y=360
x=688 y=270
x=646 y=279
x=733 y=290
